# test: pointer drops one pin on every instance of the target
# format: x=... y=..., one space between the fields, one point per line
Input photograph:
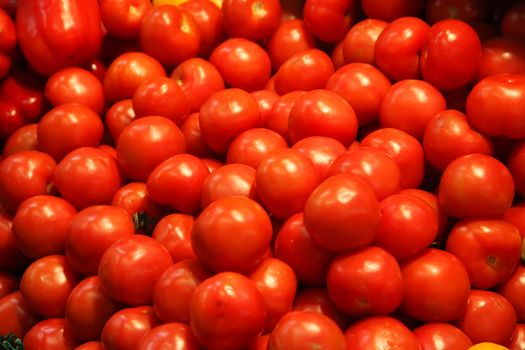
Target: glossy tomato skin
x=122 y=19
x=11 y=257
x=56 y=34
x=173 y=231
x=23 y=139
x=253 y=145
x=512 y=289
x=265 y=100
x=170 y=335
x=8 y=38
x=133 y=197
x=16 y=317
x=318 y=300
x=9 y=283
x=280 y=113
x=90 y=345
x=253 y=20
x=433 y=336
x=191 y=130
x=321 y=150
x=495 y=179
x=515 y=165
x=10 y=119
x=328 y=21
x=52 y=333
x=518 y=338
x=117 y=116
x=227 y=311
x=502 y=54
x=359 y=43
x=229 y=180
x=516 y=216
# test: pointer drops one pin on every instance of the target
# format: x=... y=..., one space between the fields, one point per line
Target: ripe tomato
x=191 y=130
x=265 y=100
x=318 y=300
x=133 y=197
x=516 y=166
x=280 y=113
x=50 y=334
x=170 y=335
x=9 y=283
x=10 y=119
x=90 y=345
x=173 y=231
x=512 y=289
x=25 y=91
x=23 y=139
x=251 y=19
x=464 y=10
x=11 y=258
x=8 y=46
x=502 y=55
x=391 y=10
x=123 y=18
x=513 y=20
x=518 y=339
x=229 y=180
x=119 y=115
x=329 y=21
x=321 y=150
x=15 y=315
x=433 y=336
x=359 y=43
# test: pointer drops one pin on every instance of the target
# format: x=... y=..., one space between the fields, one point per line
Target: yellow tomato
x=178 y=2
x=487 y=346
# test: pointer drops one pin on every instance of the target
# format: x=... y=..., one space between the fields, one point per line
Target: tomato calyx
x=523 y=251
x=144 y=223
x=10 y=342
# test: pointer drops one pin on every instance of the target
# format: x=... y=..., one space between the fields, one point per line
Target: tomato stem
x=144 y=223
x=10 y=342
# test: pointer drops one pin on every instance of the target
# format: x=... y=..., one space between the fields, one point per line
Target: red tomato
x=173 y=231
x=464 y=10
x=318 y=300
x=11 y=258
x=489 y=317
x=10 y=119
x=8 y=42
x=328 y=21
x=513 y=20
x=306 y=329
x=135 y=200
x=23 y=139
x=88 y=308
x=359 y=43
x=391 y=10
x=15 y=315
x=119 y=115
x=518 y=339
x=169 y=336
x=265 y=100
x=373 y=267
x=280 y=113
x=516 y=216
x=227 y=311
x=40 y=225
x=512 y=289
x=9 y=283
x=25 y=91
x=229 y=180
x=459 y=193
x=431 y=199
x=129 y=268
x=260 y=343
x=191 y=130
x=422 y=273
x=434 y=336
x=342 y=213
x=169 y=34
x=122 y=18
x=502 y=55
x=90 y=345
x=321 y=150
x=251 y=19
x=46 y=285
x=231 y=234
x=50 y=334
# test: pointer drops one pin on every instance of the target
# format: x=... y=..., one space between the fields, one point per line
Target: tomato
x=391 y=10
x=173 y=291
x=173 y=231
x=328 y=21
x=459 y=193
x=318 y=300
x=422 y=273
x=122 y=18
x=169 y=34
x=129 y=268
x=57 y=34
x=434 y=336
x=40 y=225
x=50 y=334
x=464 y=10
x=8 y=39
x=46 y=285
x=10 y=119
x=502 y=55
x=379 y=332
x=9 y=283
x=15 y=315
x=280 y=113
x=193 y=136
x=87 y=176
x=227 y=311
x=11 y=258
x=359 y=43
x=512 y=289
x=489 y=317
x=229 y=180
x=133 y=197
x=487 y=346
x=260 y=343
x=513 y=20
x=516 y=216
x=518 y=339
x=90 y=345
x=170 y=335
x=251 y=19
x=448 y=136
x=342 y=213
x=126 y=327
x=68 y=127
x=321 y=150
x=231 y=234
x=75 y=85
x=242 y=63
x=119 y=115
x=23 y=139
x=88 y=308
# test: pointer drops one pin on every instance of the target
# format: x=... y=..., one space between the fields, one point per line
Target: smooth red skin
x=229 y=180
x=260 y=343
x=173 y=291
x=284 y=180
x=359 y=43
x=318 y=300
x=130 y=267
x=306 y=70
x=119 y=115
x=280 y=113
x=177 y=182
x=321 y=150
x=422 y=274
x=231 y=234
x=212 y=164
x=490 y=249
x=291 y=37
x=163 y=97
x=23 y=139
x=407 y=225
x=448 y=136
x=518 y=339
x=350 y=271
x=379 y=332
x=91 y=232
x=75 y=85
x=25 y=91
x=294 y=246
x=193 y=136
x=11 y=258
x=516 y=216
x=208 y=18
x=40 y=225
x=76 y=182
x=451 y=55
x=126 y=327
x=227 y=311
x=169 y=336
x=337 y=57
x=458 y=192
x=56 y=34
x=50 y=334
x=363 y=86
x=277 y=284
x=328 y=21
x=498 y=96
x=501 y=55
x=147 y=142
x=127 y=72
x=97 y=68
x=242 y=63
x=88 y=308
x=465 y=10
x=46 y=285
x=322 y=113
x=352 y=210
x=489 y=317
x=512 y=289
x=397 y=48
x=24 y=174
x=9 y=283
x=434 y=336
x=91 y=345
x=133 y=197
x=198 y=78
x=409 y=105
x=173 y=231
x=15 y=316
x=10 y=119
x=513 y=20
x=68 y=127
x=225 y=115
x=122 y=18
x=251 y=19
x=392 y=10
x=265 y=99
x=8 y=42
x=302 y=329
x=169 y=34
x=372 y=165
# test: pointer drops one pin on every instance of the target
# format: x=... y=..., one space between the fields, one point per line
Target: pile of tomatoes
x=262 y=174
